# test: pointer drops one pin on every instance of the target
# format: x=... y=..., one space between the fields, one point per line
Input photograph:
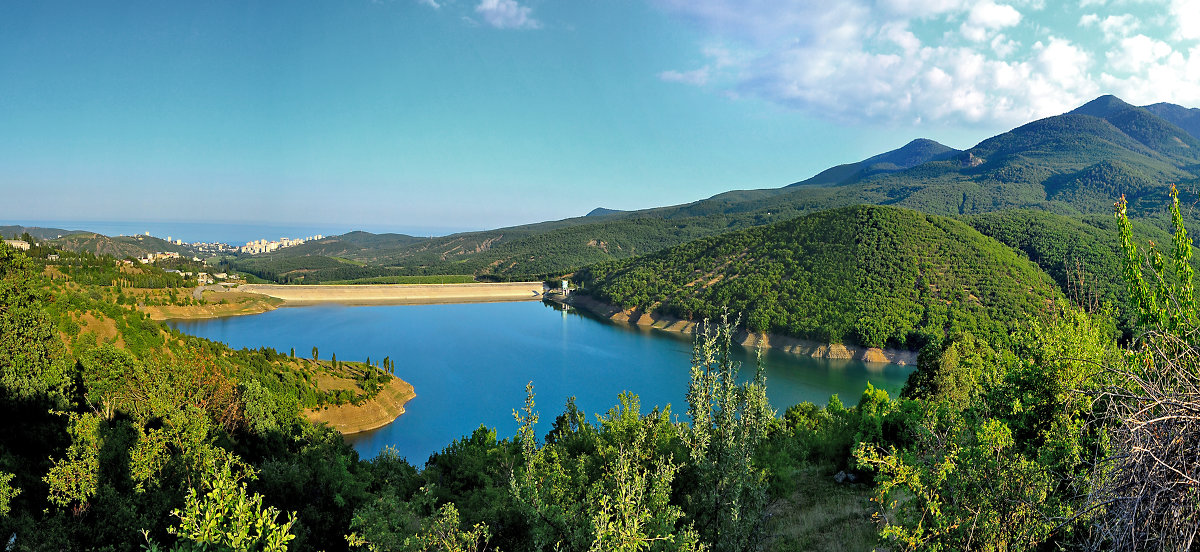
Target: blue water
x=469 y=364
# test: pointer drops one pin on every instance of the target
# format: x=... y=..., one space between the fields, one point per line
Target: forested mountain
x=1072 y=164
x=1081 y=254
x=914 y=153
x=1182 y=117
x=873 y=275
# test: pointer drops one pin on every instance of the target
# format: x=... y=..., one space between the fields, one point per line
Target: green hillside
x=1081 y=255
x=1182 y=117
x=38 y=232
x=878 y=276
x=119 y=246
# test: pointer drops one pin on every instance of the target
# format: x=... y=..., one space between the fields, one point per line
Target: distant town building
x=264 y=246
x=161 y=256
x=52 y=257
x=18 y=244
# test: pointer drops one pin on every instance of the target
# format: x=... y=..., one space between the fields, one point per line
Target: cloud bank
x=950 y=61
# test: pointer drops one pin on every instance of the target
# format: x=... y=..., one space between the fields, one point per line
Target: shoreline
x=377 y=294
x=375 y=413
x=787 y=344
x=273 y=296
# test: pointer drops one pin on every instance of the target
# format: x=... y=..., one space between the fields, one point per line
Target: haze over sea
x=227 y=232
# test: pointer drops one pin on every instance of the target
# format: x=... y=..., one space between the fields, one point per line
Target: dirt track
x=400 y=293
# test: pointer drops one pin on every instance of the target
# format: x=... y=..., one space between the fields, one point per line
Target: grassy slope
x=867 y=274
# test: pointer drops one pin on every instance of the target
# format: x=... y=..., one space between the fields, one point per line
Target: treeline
x=877 y=276
x=88 y=269
x=1082 y=255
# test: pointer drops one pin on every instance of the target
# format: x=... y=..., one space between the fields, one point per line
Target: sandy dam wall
x=401 y=293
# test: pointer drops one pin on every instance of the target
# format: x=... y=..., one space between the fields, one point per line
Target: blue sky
x=436 y=115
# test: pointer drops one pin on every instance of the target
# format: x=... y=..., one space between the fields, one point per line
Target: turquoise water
x=469 y=364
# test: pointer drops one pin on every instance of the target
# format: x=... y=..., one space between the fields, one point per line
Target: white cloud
x=987 y=17
x=506 y=14
x=1186 y=14
x=920 y=8
x=887 y=61
x=1003 y=46
x=1062 y=62
x=697 y=77
x=431 y=3
x=990 y=15
x=1174 y=77
x=1116 y=26
x=1137 y=53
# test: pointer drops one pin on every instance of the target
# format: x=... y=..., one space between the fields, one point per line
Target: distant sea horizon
x=224 y=232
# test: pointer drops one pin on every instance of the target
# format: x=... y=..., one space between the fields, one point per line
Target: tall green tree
x=728 y=421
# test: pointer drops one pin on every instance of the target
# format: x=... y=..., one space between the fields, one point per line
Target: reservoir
x=469 y=364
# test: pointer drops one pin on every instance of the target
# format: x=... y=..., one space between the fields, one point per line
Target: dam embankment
x=383 y=294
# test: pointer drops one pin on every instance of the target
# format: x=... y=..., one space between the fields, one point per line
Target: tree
x=600 y=488
x=952 y=371
x=1146 y=491
x=7 y=492
x=314 y=352
x=225 y=516
x=728 y=423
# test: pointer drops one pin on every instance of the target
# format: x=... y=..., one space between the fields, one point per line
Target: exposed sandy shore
x=751 y=340
x=236 y=304
x=373 y=414
x=400 y=293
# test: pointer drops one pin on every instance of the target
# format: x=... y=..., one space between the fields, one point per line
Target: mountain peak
x=598 y=211
x=916 y=152
x=911 y=154
x=1102 y=107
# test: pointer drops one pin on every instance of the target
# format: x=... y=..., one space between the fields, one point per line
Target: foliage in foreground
x=1147 y=492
